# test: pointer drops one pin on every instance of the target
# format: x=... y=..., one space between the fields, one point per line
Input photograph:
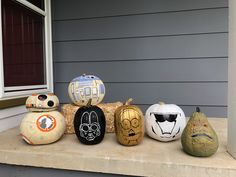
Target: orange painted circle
x=46 y=123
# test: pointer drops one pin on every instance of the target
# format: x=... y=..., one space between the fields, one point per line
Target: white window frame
x=21 y=91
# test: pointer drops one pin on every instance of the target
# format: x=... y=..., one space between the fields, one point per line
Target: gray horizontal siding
x=204 y=95
x=76 y=9
x=177 y=70
x=150 y=93
x=212 y=111
x=183 y=46
x=173 y=51
x=186 y=22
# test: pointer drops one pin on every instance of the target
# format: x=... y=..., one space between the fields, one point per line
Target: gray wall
x=150 y=50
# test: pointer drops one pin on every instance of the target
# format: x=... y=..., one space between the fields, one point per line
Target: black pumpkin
x=90 y=124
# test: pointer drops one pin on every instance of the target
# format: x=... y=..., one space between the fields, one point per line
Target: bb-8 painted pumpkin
x=42 y=127
x=42 y=102
x=83 y=88
x=165 y=122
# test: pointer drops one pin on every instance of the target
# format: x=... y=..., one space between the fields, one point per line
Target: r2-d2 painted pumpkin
x=165 y=122
x=86 y=87
x=90 y=124
x=44 y=124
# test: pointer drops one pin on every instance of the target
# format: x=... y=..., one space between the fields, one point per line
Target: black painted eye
x=42 y=97
x=85 y=127
x=159 y=118
x=172 y=117
x=94 y=127
x=50 y=103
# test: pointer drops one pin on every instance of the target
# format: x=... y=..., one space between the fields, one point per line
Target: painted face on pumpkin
x=89 y=127
x=165 y=122
x=131 y=126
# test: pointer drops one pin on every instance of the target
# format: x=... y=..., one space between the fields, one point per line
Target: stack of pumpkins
x=43 y=124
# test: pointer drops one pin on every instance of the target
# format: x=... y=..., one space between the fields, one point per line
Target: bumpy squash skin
x=199 y=138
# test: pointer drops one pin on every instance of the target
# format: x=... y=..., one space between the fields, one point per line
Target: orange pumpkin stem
x=128 y=102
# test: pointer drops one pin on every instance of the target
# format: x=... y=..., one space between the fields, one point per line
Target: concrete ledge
x=151 y=158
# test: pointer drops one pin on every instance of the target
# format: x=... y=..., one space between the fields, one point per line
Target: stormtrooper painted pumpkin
x=165 y=122
x=86 y=87
x=42 y=102
x=129 y=124
x=90 y=124
x=42 y=127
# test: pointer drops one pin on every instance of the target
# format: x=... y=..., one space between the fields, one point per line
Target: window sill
x=151 y=158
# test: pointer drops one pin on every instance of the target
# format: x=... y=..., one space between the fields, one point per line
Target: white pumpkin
x=42 y=102
x=42 y=127
x=83 y=88
x=165 y=122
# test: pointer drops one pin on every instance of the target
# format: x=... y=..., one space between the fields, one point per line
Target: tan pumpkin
x=129 y=124
x=42 y=127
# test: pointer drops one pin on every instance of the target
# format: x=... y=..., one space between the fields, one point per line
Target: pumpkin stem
x=84 y=75
x=89 y=102
x=128 y=102
x=198 y=109
x=161 y=103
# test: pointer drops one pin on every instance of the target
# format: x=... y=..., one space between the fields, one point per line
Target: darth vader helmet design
x=89 y=127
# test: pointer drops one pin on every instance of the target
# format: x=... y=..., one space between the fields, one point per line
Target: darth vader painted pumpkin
x=165 y=122
x=90 y=124
x=129 y=124
x=83 y=88
x=42 y=102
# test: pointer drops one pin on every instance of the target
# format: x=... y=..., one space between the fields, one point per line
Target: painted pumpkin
x=129 y=124
x=42 y=127
x=90 y=124
x=199 y=138
x=165 y=122
x=86 y=87
x=42 y=102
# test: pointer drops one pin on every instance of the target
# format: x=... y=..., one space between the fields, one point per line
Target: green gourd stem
x=128 y=102
x=89 y=102
x=198 y=109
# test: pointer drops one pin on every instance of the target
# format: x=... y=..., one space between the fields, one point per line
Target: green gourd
x=199 y=138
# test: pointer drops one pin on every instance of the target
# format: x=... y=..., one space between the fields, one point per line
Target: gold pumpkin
x=129 y=124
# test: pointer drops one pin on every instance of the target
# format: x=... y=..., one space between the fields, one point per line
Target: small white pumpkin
x=42 y=102
x=165 y=122
x=42 y=127
x=83 y=88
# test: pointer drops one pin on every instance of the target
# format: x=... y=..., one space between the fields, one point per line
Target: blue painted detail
x=85 y=78
x=102 y=89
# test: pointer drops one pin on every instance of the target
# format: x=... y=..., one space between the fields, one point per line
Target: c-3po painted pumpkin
x=165 y=122
x=86 y=87
x=129 y=124
x=39 y=126
x=42 y=102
